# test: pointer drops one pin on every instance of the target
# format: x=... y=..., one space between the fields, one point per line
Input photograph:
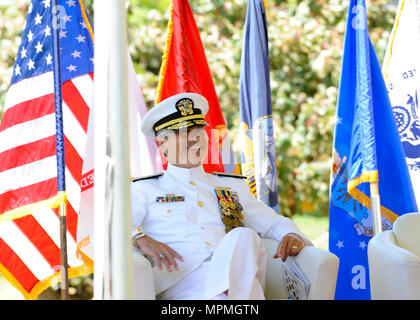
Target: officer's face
x=186 y=148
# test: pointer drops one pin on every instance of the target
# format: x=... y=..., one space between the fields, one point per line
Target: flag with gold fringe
x=367 y=149
x=29 y=197
x=257 y=136
x=402 y=60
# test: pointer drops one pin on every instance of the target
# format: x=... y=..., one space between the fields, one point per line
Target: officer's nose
x=192 y=139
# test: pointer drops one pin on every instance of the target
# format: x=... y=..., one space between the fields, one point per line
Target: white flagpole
x=376 y=208
x=121 y=247
x=100 y=288
x=112 y=217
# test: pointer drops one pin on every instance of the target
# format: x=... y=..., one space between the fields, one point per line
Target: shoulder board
x=224 y=174
x=147 y=177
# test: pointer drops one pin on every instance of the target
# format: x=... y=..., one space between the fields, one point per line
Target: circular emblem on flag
x=402 y=118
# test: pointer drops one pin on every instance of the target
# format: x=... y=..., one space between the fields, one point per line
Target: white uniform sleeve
x=138 y=207
x=265 y=220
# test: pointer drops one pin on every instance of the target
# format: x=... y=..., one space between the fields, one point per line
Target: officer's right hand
x=155 y=249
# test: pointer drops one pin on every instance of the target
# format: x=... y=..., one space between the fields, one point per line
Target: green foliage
x=12 y=18
x=80 y=288
x=305 y=45
x=147 y=23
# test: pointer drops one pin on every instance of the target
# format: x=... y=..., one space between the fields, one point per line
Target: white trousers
x=238 y=265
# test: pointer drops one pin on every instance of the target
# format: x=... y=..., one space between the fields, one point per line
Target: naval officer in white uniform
x=202 y=232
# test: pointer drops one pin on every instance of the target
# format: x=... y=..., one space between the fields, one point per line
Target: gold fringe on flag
x=388 y=53
x=265 y=5
x=21 y=212
x=370 y=176
x=165 y=56
x=52 y=203
x=85 y=269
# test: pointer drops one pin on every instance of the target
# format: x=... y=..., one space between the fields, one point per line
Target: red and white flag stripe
x=30 y=245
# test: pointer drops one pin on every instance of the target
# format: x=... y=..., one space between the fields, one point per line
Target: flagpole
x=376 y=208
x=100 y=284
x=121 y=247
x=63 y=250
x=61 y=181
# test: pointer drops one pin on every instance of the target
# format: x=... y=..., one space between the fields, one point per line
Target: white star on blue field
x=35 y=54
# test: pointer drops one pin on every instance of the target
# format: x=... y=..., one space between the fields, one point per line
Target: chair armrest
x=394 y=271
x=384 y=244
x=144 y=286
x=319 y=266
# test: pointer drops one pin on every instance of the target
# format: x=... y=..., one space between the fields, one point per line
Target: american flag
x=29 y=223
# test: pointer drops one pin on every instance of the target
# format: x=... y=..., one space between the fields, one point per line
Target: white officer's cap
x=177 y=112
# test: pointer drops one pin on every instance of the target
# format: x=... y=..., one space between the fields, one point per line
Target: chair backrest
x=407 y=232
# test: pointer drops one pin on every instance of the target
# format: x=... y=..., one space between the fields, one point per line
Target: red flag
x=29 y=222
x=185 y=69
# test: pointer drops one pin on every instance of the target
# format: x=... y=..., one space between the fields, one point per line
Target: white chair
x=319 y=266
x=394 y=260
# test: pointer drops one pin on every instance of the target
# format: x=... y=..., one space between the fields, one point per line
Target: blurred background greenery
x=305 y=47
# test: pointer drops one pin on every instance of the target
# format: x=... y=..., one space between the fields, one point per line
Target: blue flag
x=257 y=152
x=367 y=148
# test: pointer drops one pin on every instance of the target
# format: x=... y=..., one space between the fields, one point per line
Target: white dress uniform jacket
x=193 y=225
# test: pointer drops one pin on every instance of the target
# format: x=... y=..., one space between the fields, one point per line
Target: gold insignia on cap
x=185 y=106
x=182 y=123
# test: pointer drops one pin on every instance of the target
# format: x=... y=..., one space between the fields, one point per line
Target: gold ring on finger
x=162 y=255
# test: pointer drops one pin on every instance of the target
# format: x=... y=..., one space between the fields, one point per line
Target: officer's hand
x=155 y=249
x=290 y=245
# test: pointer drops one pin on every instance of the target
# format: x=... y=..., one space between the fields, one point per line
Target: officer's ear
x=161 y=137
x=159 y=141
x=161 y=145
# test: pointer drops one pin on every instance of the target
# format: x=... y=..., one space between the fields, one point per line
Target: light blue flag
x=367 y=149
x=257 y=151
